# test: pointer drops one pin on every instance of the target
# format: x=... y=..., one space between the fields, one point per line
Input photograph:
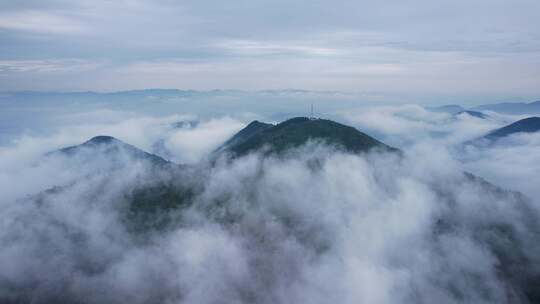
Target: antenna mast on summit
x=312 y=117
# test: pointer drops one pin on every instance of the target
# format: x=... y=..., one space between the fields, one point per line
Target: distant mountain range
x=156 y=94
x=511 y=107
x=516 y=108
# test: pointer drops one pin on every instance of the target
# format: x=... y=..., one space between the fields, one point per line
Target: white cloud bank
x=319 y=226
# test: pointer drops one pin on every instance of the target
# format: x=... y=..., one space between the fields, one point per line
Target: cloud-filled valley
x=441 y=221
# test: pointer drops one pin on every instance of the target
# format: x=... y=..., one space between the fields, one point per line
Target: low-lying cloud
x=406 y=125
x=316 y=225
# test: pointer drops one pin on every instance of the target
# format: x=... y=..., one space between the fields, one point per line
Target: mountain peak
x=297 y=131
x=110 y=147
x=252 y=129
x=102 y=139
x=255 y=123
x=476 y=114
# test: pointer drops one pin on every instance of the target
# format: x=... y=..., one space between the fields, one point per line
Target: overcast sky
x=461 y=48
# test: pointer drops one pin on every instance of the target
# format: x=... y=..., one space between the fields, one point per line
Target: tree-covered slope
x=254 y=128
x=298 y=131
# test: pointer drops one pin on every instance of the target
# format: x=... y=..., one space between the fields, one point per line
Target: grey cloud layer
x=408 y=47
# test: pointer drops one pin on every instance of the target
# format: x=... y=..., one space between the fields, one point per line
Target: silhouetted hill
x=527 y=125
x=112 y=148
x=473 y=114
x=452 y=109
x=296 y=132
x=162 y=187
